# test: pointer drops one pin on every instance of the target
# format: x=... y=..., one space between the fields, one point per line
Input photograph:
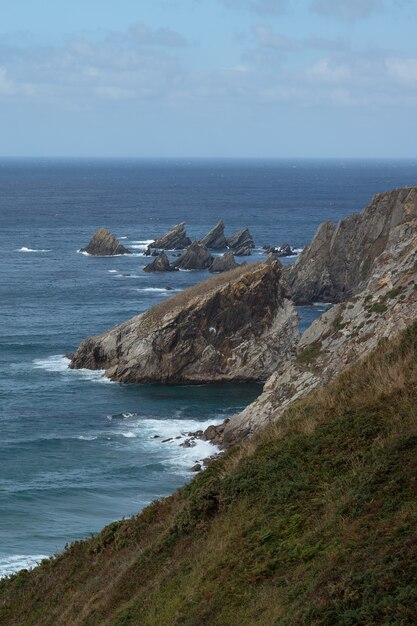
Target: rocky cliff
x=175 y=239
x=342 y=257
x=350 y=330
x=215 y=238
x=104 y=243
x=237 y=326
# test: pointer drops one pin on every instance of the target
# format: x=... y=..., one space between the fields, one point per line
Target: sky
x=208 y=78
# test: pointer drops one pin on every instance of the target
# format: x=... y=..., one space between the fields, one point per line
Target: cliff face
x=349 y=330
x=238 y=326
x=341 y=257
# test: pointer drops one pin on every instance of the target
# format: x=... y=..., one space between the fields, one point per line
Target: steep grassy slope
x=312 y=522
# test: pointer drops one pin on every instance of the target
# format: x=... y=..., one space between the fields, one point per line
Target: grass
x=313 y=522
x=309 y=354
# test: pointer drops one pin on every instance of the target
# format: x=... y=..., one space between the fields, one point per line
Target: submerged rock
x=241 y=239
x=196 y=257
x=223 y=263
x=104 y=243
x=159 y=264
x=236 y=326
x=342 y=256
x=215 y=239
x=175 y=239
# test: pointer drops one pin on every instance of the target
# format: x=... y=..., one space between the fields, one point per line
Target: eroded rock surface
x=240 y=240
x=236 y=326
x=196 y=257
x=215 y=239
x=175 y=239
x=223 y=263
x=159 y=264
x=104 y=243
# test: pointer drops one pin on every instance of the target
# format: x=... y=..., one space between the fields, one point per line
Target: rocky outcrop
x=159 y=264
x=175 y=239
x=240 y=240
x=196 y=257
x=223 y=263
x=215 y=239
x=341 y=257
x=104 y=243
x=243 y=251
x=348 y=331
x=236 y=326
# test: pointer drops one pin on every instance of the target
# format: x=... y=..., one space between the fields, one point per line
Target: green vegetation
x=309 y=354
x=313 y=522
x=378 y=307
x=338 y=323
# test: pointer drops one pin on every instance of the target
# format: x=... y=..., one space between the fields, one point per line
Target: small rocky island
x=104 y=243
x=175 y=239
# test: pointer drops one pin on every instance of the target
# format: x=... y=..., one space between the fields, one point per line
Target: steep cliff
x=237 y=326
x=341 y=257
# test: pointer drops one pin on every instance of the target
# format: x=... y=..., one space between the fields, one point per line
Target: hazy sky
x=260 y=78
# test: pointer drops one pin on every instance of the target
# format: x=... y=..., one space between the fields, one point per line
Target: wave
x=24 y=249
x=157 y=290
x=142 y=244
x=15 y=562
x=60 y=364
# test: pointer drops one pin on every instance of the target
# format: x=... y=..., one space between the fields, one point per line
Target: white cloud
x=403 y=70
x=348 y=10
x=267 y=38
x=262 y=7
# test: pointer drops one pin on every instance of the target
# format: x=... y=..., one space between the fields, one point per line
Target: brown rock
x=104 y=243
x=175 y=239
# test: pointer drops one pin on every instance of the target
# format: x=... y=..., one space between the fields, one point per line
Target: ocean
x=78 y=451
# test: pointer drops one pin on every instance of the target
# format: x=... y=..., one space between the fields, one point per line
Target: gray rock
x=196 y=257
x=236 y=326
x=244 y=250
x=104 y=243
x=175 y=239
x=160 y=264
x=223 y=263
x=215 y=239
x=241 y=239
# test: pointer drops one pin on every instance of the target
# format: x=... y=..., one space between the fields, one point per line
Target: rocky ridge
x=104 y=243
x=175 y=239
x=236 y=326
x=196 y=257
x=215 y=239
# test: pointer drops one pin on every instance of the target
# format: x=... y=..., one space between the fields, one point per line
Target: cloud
x=262 y=7
x=267 y=38
x=347 y=10
x=164 y=37
x=403 y=70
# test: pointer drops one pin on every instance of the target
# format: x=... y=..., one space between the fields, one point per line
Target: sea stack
x=104 y=243
x=237 y=326
x=215 y=239
x=159 y=264
x=175 y=239
x=223 y=263
x=241 y=240
x=196 y=257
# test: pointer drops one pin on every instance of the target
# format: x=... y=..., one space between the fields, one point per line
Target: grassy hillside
x=312 y=522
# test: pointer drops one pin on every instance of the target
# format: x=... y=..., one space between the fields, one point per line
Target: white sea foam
x=156 y=290
x=59 y=363
x=113 y=271
x=86 y=437
x=141 y=244
x=24 y=249
x=122 y=237
x=15 y=562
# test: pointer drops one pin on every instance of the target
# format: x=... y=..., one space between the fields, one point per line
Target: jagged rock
x=196 y=257
x=243 y=251
x=284 y=250
x=223 y=263
x=104 y=243
x=196 y=468
x=341 y=257
x=160 y=264
x=241 y=239
x=349 y=330
x=175 y=239
x=235 y=326
x=215 y=238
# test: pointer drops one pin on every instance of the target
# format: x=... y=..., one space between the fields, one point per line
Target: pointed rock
x=104 y=243
x=215 y=239
x=241 y=239
x=159 y=264
x=196 y=257
x=175 y=239
x=223 y=263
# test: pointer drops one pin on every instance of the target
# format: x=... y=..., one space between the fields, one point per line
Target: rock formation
x=244 y=250
x=215 y=239
x=159 y=264
x=341 y=257
x=104 y=243
x=196 y=257
x=386 y=304
x=175 y=239
x=223 y=263
x=241 y=239
x=236 y=326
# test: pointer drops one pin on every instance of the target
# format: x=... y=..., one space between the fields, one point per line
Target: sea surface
x=78 y=451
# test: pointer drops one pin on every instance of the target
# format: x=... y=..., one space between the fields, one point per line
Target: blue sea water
x=77 y=451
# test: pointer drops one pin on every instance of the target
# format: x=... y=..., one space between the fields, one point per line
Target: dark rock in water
x=175 y=239
x=223 y=263
x=160 y=264
x=168 y=288
x=241 y=239
x=196 y=468
x=236 y=326
x=215 y=238
x=243 y=251
x=285 y=250
x=104 y=243
x=196 y=257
